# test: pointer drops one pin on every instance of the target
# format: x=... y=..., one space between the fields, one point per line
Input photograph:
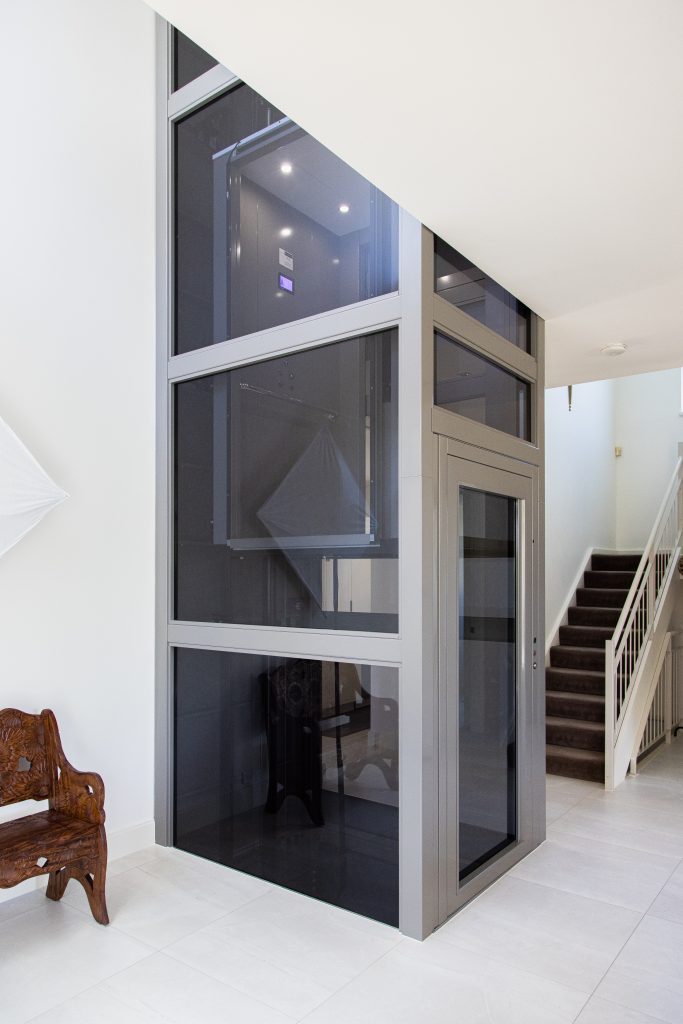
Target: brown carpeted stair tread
x=565 y=656
x=575 y=680
x=570 y=732
x=587 y=707
x=577 y=764
x=627 y=563
x=608 y=580
x=585 y=636
x=588 y=616
x=598 y=597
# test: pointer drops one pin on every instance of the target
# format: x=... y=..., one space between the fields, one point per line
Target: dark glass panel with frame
x=473 y=386
x=487 y=713
x=459 y=282
x=286 y=498
x=270 y=226
x=287 y=769
x=189 y=60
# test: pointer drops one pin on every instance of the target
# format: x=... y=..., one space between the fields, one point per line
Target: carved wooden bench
x=66 y=841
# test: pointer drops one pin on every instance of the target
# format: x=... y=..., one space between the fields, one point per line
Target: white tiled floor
x=589 y=928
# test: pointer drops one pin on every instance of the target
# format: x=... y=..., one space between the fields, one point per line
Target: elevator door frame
x=462 y=464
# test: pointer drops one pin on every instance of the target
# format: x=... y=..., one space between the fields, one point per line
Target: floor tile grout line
x=270 y=1007
x=572 y=892
x=622 y=1006
x=221 y=917
x=224 y=984
x=638 y=924
x=88 y=988
x=520 y=970
x=346 y=984
x=623 y=846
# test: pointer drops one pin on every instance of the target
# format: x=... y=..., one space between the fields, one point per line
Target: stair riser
x=559 y=679
x=615 y=563
x=568 y=705
x=557 y=765
x=580 y=636
x=575 y=737
x=608 y=580
x=602 y=598
x=607 y=617
x=578 y=658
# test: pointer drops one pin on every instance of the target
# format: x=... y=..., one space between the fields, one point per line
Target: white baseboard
x=130 y=840
x=119 y=843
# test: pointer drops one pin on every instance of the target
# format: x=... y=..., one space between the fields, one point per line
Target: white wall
x=580 y=485
x=77 y=380
x=648 y=427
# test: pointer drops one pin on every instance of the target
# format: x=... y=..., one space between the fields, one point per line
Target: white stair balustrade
x=636 y=647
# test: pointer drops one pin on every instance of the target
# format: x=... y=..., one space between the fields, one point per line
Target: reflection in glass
x=459 y=282
x=270 y=226
x=487 y=735
x=189 y=60
x=287 y=490
x=288 y=769
x=472 y=386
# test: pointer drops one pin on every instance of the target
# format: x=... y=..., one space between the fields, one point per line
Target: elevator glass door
x=485 y=674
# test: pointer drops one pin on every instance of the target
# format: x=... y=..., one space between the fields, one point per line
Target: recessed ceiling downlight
x=617 y=348
x=286 y=167
x=344 y=207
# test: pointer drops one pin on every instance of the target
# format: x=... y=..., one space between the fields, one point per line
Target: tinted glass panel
x=270 y=226
x=457 y=280
x=287 y=490
x=487 y=771
x=288 y=769
x=473 y=386
x=189 y=60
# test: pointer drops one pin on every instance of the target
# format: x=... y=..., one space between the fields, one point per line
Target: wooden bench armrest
x=79 y=794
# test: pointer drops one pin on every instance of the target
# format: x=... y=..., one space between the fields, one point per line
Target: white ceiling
x=542 y=139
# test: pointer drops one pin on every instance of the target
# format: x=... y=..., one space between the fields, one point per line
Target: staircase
x=575 y=678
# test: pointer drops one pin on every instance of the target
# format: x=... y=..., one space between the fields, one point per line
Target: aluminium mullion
x=460 y=428
x=287 y=643
x=418 y=805
x=481 y=339
x=209 y=85
x=163 y=710
x=368 y=317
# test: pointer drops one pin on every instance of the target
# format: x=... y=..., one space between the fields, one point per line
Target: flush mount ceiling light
x=344 y=207
x=617 y=348
x=286 y=167
x=285 y=232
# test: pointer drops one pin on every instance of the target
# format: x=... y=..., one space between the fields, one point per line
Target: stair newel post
x=668 y=691
x=610 y=713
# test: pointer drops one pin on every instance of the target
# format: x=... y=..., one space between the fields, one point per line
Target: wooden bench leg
x=94 y=890
x=91 y=874
x=56 y=884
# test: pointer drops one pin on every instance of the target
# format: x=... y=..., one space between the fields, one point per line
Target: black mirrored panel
x=189 y=60
x=287 y=769
x=487 y=630
x=287 y=490
x=459 y=282
x=270 y=226
x=472 y=386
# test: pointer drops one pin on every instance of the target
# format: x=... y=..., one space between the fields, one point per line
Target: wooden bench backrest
x=26 y=770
